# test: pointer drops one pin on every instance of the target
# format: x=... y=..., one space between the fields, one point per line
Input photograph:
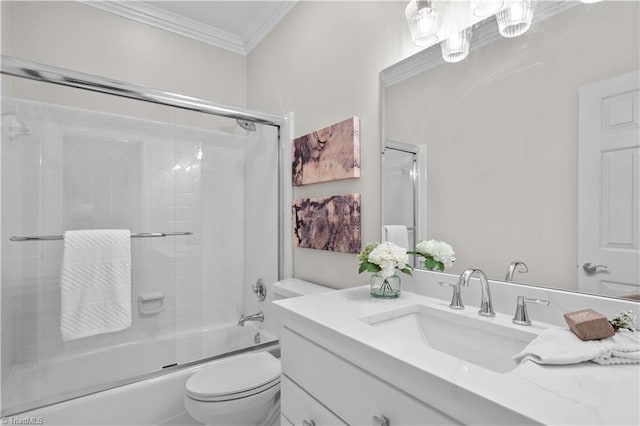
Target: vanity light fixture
x=485 y=8
x=422 y=16
x=516 y=18
x=456 y=47
x=590 y=1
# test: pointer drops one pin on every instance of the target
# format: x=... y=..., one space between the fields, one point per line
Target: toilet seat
x=237 y=395
x=235 y=377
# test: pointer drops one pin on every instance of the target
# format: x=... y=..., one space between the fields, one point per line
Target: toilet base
x=236 y=412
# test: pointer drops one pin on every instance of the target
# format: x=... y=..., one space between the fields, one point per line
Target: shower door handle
x=380 y=421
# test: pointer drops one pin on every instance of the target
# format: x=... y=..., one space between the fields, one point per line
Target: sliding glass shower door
x=200 y=197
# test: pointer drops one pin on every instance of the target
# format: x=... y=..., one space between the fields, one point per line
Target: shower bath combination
x=187 y=194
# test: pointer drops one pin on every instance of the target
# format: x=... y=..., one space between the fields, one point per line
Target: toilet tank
x=285 y=289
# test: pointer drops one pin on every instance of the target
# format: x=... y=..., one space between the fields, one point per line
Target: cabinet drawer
x=298 y=406
x=353 y=394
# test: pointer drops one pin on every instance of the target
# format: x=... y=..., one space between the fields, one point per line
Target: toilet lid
x=235 y=376
x=268 y=388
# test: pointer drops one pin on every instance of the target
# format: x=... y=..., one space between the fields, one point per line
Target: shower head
x=249 y=126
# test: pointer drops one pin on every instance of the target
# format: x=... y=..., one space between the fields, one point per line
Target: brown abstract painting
x=327 y=154
x=328 y=223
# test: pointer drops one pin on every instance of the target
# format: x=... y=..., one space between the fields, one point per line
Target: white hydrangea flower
x=438 y=250
x=389 y=256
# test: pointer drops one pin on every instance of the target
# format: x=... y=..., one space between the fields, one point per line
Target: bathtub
x=73 y=389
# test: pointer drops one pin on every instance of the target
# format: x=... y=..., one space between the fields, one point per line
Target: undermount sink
x=481 y=341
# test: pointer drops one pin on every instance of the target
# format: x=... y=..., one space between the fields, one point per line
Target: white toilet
x=243 y=389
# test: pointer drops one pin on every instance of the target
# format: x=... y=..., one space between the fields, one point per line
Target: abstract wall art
x=327 y=223
x=331 y=153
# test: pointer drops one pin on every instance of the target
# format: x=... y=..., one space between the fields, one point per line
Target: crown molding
x=484 y=33
x=263 y=24
x=168 y=21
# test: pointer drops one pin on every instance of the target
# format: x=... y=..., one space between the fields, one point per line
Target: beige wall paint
x=502 y=169
x=72 y=35
x=322 y=62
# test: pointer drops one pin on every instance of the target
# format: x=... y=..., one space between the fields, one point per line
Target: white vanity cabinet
x=340 y=392
x=341 y=367
x=300 y=408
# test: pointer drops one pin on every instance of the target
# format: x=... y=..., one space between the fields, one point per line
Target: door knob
x=590 y=268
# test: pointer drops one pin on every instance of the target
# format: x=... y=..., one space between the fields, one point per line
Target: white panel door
x=609 y=187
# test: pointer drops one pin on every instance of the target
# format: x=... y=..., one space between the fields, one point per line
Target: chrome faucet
x=255 y=317
x=514 y=266
x=486 y=305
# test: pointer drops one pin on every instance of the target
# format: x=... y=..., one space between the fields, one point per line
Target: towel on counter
x=398 y=235
x=95 y=282
x=561 y=346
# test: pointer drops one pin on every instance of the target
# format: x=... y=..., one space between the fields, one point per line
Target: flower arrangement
x=623 y=321
x=384 y=258
x=436 y=254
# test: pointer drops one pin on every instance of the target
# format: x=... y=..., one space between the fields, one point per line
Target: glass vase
x=385 y=288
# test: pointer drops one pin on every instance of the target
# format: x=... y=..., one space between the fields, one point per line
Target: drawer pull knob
x=308 y=423
x=380 y=421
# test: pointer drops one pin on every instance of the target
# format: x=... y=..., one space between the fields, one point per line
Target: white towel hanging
x=95 y=283
x=398 y=235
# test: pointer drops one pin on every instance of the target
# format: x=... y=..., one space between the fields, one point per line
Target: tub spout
x=255 y=317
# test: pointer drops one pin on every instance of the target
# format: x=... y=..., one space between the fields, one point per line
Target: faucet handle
x=456 y=298
x=260 y=290
x=521 y=316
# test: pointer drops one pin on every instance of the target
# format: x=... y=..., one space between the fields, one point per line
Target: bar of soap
x=588 y=324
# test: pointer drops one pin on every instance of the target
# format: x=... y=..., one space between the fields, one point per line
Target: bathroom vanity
x=348 y=358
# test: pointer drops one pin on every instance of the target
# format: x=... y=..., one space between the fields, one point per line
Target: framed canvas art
x=328 y=154
x=327 y=223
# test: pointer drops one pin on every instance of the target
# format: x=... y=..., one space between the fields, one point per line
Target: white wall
x=501 y=130
x=322 y=61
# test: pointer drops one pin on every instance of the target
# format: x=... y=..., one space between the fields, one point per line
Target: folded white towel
x=397 y=234
x=95 y=283
x=561 y=346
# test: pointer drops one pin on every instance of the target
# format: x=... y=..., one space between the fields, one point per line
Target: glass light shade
x=422 y=17
x=484 y=8
x=456 y=47
x=516 y=18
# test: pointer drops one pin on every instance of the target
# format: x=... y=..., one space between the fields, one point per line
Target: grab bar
x=140 y=235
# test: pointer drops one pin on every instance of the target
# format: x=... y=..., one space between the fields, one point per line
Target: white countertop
x=584 y=393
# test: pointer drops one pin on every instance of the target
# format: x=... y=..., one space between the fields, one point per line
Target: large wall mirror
x=532 y=146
